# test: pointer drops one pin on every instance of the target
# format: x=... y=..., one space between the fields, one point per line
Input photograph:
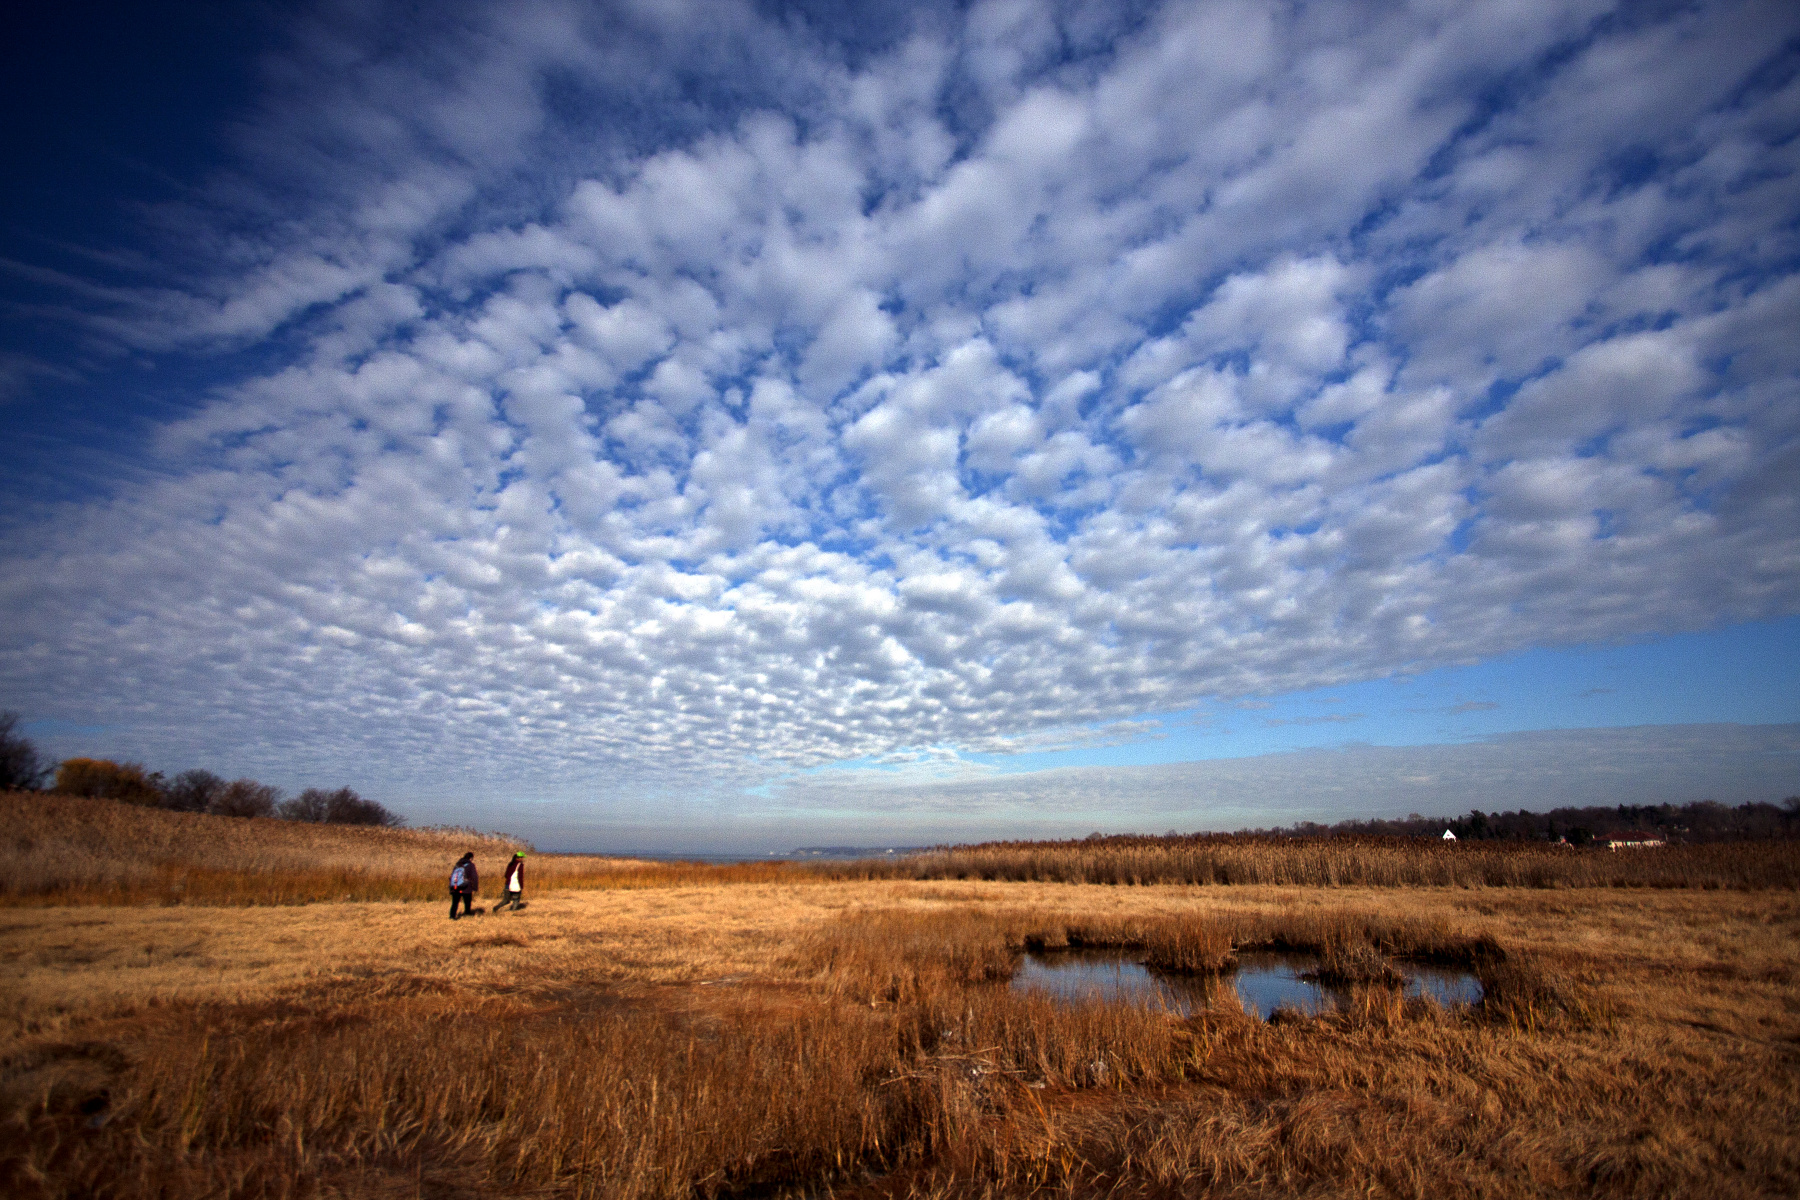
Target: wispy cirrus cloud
x=1472 y=706
x=646 y=417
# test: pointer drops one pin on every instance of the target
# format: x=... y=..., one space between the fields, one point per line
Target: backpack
x=459 y=876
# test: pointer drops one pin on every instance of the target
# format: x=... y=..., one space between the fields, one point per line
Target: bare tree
x=309 y=807
x=348 y=808
x=245 y=798
x=342 y=807
x=193 y=791
x=21 y=770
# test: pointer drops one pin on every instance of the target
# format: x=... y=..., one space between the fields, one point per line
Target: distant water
x=701 y=856
x=1264 y=981
x=803 y=854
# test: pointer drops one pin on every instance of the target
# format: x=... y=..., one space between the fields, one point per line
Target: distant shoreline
x=798 y=854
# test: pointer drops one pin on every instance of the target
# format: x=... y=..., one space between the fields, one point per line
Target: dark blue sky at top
x=113 y=112
x=112 y=108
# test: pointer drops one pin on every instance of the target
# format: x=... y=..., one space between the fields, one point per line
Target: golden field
x=73 y=850
x=722 y=1035
x=1351 y=861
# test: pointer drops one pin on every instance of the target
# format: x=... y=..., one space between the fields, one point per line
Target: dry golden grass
x=1349 y=862
x=60 y=965
x=74 y=850
x=762 y=1038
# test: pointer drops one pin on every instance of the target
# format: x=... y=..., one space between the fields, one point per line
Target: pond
x=1264 y=980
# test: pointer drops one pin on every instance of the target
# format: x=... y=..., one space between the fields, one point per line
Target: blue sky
x=756 y=423
x=1740 y=675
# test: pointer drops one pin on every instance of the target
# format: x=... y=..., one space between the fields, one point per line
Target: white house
x=1448 y=836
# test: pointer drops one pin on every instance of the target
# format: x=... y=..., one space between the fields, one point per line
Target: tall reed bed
x=1348 y=862
x=439 y=1087
x=905 y=1057
x=72 y=850
x=75 y=850
x=898 y=956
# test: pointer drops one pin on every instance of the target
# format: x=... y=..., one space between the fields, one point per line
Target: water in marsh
x=1264 y=981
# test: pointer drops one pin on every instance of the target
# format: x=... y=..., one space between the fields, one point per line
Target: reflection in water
x=1109 y=975
x=1264 y=981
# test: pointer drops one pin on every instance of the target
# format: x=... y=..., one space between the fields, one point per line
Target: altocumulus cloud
x=682 y=398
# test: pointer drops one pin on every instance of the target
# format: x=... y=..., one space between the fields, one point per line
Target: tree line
x=1700 y=821
x=195 y=791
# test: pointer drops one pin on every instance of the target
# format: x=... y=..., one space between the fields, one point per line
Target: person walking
x=513 y=889
x=464 y=879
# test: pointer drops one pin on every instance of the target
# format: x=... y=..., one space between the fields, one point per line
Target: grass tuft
x=75 y=850
x=1225 y=860
x=893 y=1061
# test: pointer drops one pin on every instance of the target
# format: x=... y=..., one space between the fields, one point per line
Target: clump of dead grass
x=1223 y=859
x=278 y=1100
x=58 y=849
x=901 y=1067
x=73 y=850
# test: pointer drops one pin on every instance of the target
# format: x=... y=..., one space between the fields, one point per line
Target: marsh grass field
x=73 y=850
x=645 y=1030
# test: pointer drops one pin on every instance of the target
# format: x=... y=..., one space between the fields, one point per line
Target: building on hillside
x=1448 y=836
x=1634 y=840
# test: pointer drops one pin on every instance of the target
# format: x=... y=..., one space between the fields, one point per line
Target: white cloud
x=952 y=398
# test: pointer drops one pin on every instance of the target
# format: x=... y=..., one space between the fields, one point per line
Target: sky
x=742 y=425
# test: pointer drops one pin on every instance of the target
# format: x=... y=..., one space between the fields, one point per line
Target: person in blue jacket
x=464 y=879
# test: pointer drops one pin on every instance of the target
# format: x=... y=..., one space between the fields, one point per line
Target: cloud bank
x=1537 y=771
x=642 y=401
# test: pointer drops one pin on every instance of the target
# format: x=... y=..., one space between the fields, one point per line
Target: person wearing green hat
x=513 y=890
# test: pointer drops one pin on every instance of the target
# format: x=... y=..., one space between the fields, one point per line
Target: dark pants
x=466 y=895
x=512 y=900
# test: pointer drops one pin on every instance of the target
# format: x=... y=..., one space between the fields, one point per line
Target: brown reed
x=932 y=1079
x=58 y=849
x=1224 y=859
x=274 y=1099
x=74 y=850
